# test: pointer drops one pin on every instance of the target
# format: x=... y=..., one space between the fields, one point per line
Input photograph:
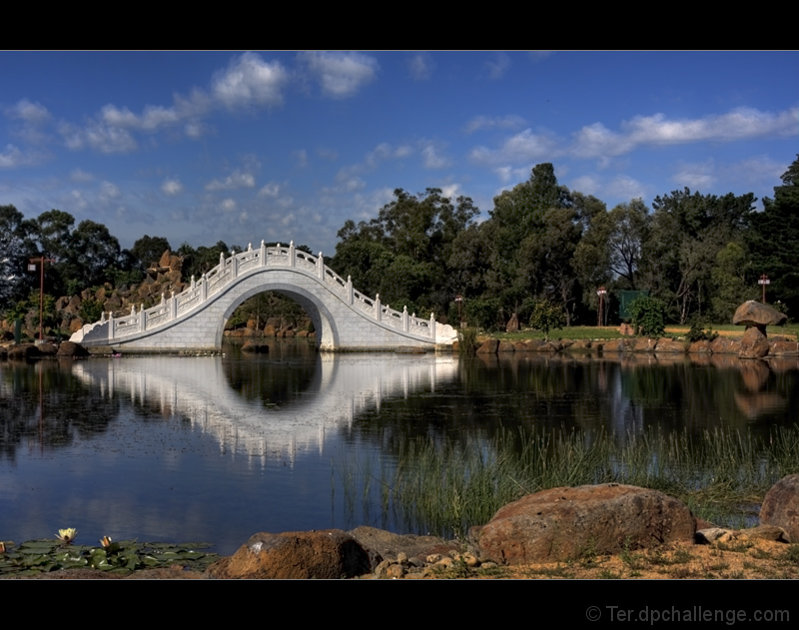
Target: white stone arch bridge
x=194 y=319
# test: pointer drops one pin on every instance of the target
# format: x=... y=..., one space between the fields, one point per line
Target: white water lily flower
x=67 y=535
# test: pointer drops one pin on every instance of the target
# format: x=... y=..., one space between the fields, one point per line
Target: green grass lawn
x=612 y=332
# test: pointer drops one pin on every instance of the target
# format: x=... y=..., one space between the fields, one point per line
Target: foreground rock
x=781 y=506
x=325 y=554
x=561 y=524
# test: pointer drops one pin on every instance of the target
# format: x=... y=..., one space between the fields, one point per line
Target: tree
x=94 y=258
x=728 y=275
x=517 y=220
x=403 y=253
x=774 y=240
x=687 y=230
x=148 y=250
x=16 y=248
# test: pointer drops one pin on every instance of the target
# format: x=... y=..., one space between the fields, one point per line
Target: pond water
x=214 y=449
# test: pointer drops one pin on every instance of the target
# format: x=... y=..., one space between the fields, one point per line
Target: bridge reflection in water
x=343 y=386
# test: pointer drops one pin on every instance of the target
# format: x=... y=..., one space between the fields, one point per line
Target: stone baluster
x=320 y=266
x=378 y=308
x=234 y=264
x=173 y=307
x=142 y=318
x=292 y=255
x=405 y=318
x=111 y=325
x=348 y=287
x=263 y=253
x=432 y=326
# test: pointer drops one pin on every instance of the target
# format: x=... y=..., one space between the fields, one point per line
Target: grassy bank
x=612 y=332
x=722 y=475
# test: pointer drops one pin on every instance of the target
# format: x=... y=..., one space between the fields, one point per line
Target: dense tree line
x=699 y=255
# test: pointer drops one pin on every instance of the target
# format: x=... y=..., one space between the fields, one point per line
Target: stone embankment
x=752 y=345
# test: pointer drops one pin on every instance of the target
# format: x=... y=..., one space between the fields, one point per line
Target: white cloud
x=171 y=187
x=237 y=179
x=695 y=176
x=432 y=159
x=625 y=187
x=586 y=184
x=79 y=175
x=11 y=157
x=33 y=113
x=300 y=157
x=249 y=80
x=228 y=205
x=98 y=136
x=498 y=65
x=421 y=66
x=596 y=140
x=271 y=189
x=525 y=146
x=109 y=191
x=451 y=191
x=152 y=118
x=340 y=74
x=510 y=121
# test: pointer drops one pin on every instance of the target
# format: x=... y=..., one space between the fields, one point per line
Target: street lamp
x=601 y=293
x=763 y=281
x=459 y=300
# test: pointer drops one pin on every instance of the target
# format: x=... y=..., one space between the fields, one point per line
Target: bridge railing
x=237 y=264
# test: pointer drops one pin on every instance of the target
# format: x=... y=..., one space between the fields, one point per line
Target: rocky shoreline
x=596 y=531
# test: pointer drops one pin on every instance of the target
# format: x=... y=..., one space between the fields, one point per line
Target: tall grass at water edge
x=446 y=488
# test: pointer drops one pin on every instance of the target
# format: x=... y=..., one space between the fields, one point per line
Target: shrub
x=546 y=316
x=648 y=316
x=697 y=332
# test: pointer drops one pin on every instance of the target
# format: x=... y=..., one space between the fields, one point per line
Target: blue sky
x=242 y=146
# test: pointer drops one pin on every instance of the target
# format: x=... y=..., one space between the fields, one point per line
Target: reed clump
x=446 y=488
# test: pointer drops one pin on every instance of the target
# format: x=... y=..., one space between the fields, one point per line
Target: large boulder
x=71 y=349
x=781 y=506
x=759 y=315
x=754 y=344
x=561 y=524
x=324 y=554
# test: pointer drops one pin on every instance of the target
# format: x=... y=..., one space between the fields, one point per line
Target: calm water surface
x=214 y=449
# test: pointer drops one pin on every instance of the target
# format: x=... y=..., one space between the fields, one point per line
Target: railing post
x=110 y=325
x=320 y=264
x=378 y=308
x=350 y=296
x=234 y=264
x=204 y=287
x=173 y=306
x=142 y=318
x=432 y=326
x=263 y=253
x=405 y=318
x=292 y=255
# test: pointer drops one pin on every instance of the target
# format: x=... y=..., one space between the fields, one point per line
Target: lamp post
x=32 y=267
x=763 y=281
x=601 y=293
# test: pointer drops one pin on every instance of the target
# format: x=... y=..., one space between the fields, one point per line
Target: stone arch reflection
x=196 y=388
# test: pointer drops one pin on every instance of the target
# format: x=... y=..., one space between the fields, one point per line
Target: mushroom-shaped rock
x=752 y=313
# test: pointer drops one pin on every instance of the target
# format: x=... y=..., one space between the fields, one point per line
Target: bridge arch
x=194 y=319
x=323 y=322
